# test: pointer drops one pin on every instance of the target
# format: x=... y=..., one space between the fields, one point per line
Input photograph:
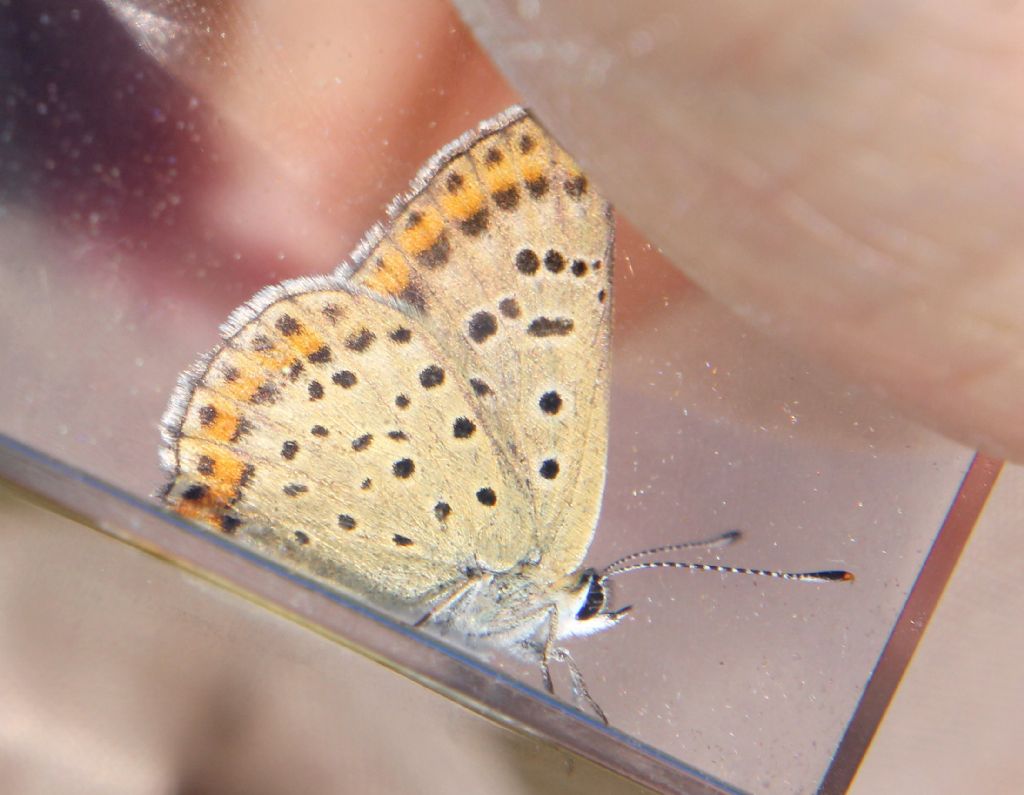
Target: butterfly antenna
x=717 y=542
x=806 y=576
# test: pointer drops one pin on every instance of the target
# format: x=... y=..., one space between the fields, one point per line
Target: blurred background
x=776 y=368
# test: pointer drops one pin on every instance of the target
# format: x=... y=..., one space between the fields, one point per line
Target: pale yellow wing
x=332 y=430
x=440 y=403
x=504 y=249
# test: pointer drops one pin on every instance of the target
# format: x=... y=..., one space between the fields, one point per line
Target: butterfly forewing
x=507 y=257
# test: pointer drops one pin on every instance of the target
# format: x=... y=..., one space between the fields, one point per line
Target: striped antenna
x=632 y=562
x=717 y=542
x=808 y=576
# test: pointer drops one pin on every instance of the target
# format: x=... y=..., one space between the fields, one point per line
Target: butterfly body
x=426 y=426
x=515 y=610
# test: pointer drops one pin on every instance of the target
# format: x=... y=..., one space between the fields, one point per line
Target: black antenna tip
x=732 y=535
x=837 y=576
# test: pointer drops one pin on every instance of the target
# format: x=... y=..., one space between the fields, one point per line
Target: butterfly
x=427 y=426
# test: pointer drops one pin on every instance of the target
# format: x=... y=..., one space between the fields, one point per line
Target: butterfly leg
x=448 y=601
x=579 y=686
x=545 y=668
x=560 y=654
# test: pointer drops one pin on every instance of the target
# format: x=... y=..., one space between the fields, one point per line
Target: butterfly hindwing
x=346 y=444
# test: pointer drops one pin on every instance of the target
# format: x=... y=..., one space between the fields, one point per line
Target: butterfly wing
x=330 y=428
x=438 y=404
x=506 y=251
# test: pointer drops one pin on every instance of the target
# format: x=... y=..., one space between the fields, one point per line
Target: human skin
x=849 y=176
x=846 y=176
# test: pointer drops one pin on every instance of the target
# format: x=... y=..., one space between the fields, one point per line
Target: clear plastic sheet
x=136 y=221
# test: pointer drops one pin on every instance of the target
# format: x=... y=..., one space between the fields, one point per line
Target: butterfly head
x=583 y=606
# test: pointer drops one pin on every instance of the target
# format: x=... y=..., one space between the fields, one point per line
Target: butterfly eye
x=595 y=598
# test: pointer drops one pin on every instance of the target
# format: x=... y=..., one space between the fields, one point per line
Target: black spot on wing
x=360 y=340
x=288 y=325
x=550 y=327
x=482 y=326
x=506 y=198
x=454 y=182
x=346 y=522
x=527 y=262
x=550 y=402
x=413 y=297
x=509 y=307
x=431 y=376
x=346 y=379
x=265 y=394
x=549 y=469
x=321 y=355
x=195 y=492
x=476 y=223
x=463 y=428
x=537 y=187
x=554 y=261
x=437 y=255
x=242 y=427
x=575 y=187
